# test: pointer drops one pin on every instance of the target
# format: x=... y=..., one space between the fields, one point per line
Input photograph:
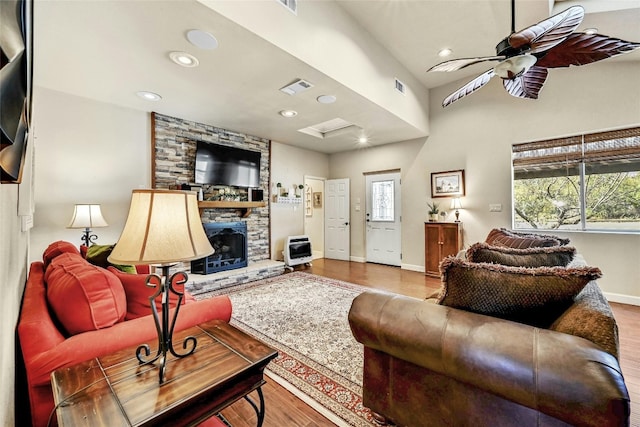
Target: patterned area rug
x=304 y=317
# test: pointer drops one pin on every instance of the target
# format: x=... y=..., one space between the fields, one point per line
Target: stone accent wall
x=175 y=156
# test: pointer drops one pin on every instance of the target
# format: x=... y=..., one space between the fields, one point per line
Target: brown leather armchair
x=432 y=365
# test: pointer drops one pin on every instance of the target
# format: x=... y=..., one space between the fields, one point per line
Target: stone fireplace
x=229 y=240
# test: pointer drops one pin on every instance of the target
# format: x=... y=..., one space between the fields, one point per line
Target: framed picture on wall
x=447 y=184
x=317 y=200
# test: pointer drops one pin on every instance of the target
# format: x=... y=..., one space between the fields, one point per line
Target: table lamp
x=455 y=204
x=87 y=217
x=163 y=228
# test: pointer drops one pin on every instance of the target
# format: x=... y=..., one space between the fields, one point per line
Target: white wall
x=86 y=152
x=476 y=134
x=289 y=165
x=13 y=274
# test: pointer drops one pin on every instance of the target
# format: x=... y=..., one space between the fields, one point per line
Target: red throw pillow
x=63 y=259
x=57 y=248
x=138 y=294
x=85 y=297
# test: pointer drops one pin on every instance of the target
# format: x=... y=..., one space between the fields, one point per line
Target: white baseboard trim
x=357 y=259
x=412 y=267
x=622 y=298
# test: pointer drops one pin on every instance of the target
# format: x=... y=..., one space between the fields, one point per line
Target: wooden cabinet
x=441 y=239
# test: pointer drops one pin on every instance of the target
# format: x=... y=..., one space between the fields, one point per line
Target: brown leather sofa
x=432 y=365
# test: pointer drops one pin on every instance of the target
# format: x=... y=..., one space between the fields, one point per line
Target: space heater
x=297 y=250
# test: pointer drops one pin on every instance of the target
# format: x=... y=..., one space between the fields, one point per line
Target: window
x=585 y=182
x=382 y=201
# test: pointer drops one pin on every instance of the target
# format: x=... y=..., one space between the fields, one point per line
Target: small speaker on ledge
x=255 y=195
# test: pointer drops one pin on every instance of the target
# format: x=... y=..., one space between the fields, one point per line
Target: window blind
x=602 y=152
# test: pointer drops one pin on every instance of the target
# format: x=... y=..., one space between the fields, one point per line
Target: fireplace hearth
x=229 y=240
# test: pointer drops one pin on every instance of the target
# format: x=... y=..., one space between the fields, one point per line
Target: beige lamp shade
x=455 y=203
x=163 y=227
x=87 y=216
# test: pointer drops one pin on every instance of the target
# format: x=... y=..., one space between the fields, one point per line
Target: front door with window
x=383 y=216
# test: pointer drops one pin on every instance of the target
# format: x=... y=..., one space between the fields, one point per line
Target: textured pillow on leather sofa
x=554 y=256
x=590 y=317
x=84 y=297
x=519 y=240
x=535 y=296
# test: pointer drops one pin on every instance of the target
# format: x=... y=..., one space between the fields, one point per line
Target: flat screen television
x=223 y=165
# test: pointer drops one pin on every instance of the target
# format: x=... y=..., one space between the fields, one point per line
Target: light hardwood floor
x=284 y=409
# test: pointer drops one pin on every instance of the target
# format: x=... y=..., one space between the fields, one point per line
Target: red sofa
x=73 y=311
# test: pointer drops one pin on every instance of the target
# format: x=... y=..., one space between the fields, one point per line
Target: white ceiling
x=108 y=50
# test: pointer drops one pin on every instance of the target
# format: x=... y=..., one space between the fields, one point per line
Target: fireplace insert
x=229 y=240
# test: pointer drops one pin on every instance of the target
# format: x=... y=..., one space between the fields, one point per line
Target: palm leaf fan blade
x=527 y=85
x=459 y=64
x=469 y=88
x=582 y=49
x=548 y=33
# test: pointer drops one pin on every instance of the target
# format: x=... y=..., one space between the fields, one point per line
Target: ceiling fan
x=524 y=57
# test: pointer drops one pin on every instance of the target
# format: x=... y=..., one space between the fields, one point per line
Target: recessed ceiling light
x=202 y=39
x=326 y=99
x=363 y=140
x=184 y=59
x=591 y=31
x=149 y=96
x=445 y=52
x=288 y=113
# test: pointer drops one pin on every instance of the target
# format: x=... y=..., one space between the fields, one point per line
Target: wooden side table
x=441 y=239
x=115 y=390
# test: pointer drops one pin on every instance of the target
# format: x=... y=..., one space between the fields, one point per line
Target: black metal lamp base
x=164 y=326
x=88 y=238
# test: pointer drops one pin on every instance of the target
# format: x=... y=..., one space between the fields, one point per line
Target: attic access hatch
x=330 y=128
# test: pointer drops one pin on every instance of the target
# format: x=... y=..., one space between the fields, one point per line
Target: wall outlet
x=495 y=207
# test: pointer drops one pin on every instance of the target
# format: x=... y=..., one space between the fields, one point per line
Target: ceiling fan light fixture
x=515 y=66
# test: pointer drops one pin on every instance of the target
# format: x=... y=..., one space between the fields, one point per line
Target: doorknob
x=346 y=223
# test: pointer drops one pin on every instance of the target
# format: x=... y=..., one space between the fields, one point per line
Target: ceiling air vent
x=292 y=5
x=399 y=86
x=296 y=87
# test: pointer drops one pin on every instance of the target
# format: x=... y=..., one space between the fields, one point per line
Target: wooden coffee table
x=116 y=390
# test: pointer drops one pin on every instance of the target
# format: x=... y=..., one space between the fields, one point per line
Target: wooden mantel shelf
x=245 y=207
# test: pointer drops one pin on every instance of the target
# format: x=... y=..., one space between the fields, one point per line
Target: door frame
x=309 y=226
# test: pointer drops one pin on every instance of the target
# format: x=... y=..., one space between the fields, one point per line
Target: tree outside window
x=589 y=182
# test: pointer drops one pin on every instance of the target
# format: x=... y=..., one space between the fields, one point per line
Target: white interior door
x=383 y=219
x=337 y=224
